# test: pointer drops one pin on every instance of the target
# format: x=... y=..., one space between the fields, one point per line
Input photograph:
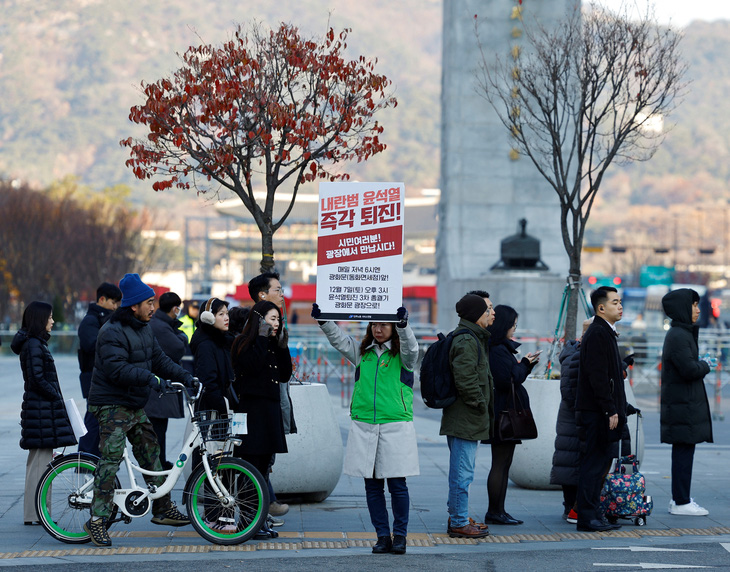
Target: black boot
x=383 y=545
x=399 y=544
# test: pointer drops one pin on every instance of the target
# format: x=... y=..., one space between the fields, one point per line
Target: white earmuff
x=206 y=316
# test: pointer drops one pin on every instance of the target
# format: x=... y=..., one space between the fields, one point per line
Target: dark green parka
x=472 y=414
x=685 y=410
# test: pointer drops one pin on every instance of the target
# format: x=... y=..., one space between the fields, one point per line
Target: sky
x=679 y=12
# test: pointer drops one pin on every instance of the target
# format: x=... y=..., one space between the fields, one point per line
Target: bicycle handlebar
x=182 y=387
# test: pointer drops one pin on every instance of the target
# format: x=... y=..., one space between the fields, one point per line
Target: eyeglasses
x=275 y=290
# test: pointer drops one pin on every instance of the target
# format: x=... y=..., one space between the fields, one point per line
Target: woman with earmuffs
x=211 y=346
x=261 y=360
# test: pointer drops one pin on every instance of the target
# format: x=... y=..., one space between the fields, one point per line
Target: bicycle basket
x=213 y=425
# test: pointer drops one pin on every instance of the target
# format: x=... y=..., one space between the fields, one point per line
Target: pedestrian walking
x=44 y=423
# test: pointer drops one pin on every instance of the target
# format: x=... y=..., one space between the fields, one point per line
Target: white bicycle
x=227 y=499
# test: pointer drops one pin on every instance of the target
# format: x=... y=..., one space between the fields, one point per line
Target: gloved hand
x=316 y=313
x=191 y=383
x=283 y=340
x=402 y=315
x=629 y=360
x=159 y=384
x=631 y=410
x=265 y=328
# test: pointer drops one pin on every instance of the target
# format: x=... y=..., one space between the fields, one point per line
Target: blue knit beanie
x=134 y=290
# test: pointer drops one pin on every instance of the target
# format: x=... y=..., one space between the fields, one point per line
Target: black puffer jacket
x=174 y=343
x=88 y=332
x=43 y=419
x=567 y=444
x=212 y=350
x=127 y=359
x=685 y=410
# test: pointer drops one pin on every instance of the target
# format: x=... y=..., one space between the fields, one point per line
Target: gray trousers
x=36 y=465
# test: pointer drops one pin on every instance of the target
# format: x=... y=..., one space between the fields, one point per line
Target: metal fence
x=315 y=361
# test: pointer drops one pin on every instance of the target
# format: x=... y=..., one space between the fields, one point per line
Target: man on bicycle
x=128 y=361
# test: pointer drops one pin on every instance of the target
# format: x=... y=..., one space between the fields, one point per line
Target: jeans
x=399 y=502
x=462 y=457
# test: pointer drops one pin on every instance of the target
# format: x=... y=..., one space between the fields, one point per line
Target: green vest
x=383 y=391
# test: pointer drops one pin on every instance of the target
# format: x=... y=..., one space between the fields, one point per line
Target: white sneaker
x=672 y=505
x=689 y=509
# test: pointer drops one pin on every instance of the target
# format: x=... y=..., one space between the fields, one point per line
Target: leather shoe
x=596 y=526
x=399 y=544
x=479 y=525
x=503 y=518
x=383 y=545
x=468 y=531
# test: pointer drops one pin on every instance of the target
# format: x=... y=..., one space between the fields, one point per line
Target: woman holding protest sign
x=381 y=445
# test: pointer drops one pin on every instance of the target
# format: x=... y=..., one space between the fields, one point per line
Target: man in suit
x=600 y=406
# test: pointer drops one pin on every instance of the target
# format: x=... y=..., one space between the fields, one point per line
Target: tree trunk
x=267 y=250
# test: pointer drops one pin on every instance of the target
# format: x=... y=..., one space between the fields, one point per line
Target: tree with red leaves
x=267 y=109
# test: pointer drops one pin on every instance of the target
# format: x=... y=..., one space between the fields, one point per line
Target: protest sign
x=360 y=251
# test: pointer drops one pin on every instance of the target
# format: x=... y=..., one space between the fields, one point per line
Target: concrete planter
x=312 y=467
x=533 y=459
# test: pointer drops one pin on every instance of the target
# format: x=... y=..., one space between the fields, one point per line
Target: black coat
x=600 y=381
x=89 y=328
x=212 y=350
x=507 y=372
x=43 y=419
x=174 y=343
x=685 y=411
x=128 y=358
x=567 y=444
x=259 y=369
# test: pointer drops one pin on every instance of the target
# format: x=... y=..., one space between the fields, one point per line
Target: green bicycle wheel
x=63 y=497
x=244 y=514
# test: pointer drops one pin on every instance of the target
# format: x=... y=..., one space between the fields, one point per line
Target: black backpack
x=437 y=381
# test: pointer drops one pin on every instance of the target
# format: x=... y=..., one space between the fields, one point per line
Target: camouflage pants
x=116 y=424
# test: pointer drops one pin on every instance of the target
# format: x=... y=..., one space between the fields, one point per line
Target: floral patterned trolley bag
x=624 y=495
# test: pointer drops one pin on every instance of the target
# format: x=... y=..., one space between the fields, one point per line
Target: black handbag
x=517 y=423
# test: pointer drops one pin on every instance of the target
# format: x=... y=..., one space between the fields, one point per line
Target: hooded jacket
x=43 y=419
x=685 y=410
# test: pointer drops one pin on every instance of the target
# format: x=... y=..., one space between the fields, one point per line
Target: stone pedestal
x=536 y=296
x=533 y=459
x=313 y=465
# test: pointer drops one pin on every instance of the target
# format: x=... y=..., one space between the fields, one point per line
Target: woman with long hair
x=43 y=419
x=261 y=361
x=507 y=373
x=381 y=445
x=211 y=346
